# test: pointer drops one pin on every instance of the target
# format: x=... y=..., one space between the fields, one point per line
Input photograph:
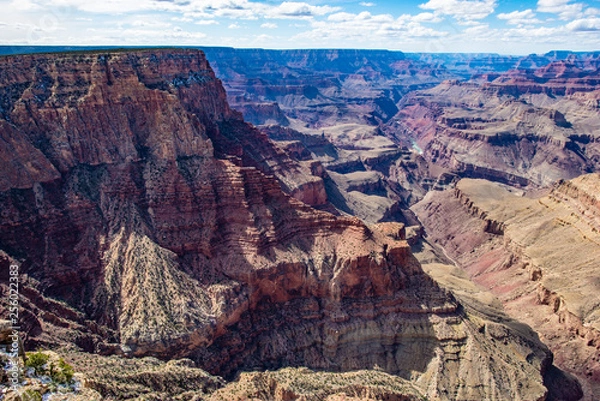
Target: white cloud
x=478 y=31
x=149 y=23
x=564 y=8
x=592 y=11
x=427 y=17
x=327 y=23
x=584 y=24
x=136 y=36
x=525 y=17
x=196 y=15
x=462 y=10
x=235 y=13
x=361 y=17
x=107 y=6
x=547 y=33
x=206 y=9
x=263 y=38
x=365 y=27
x=292 y=9
x=24 y=5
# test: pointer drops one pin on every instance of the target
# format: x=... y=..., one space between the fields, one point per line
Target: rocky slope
x=148 y=219
x=304 y=384
x=369 y=178
x=538 y=255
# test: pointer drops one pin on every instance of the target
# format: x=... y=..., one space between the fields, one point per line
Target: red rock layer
x=558 y=78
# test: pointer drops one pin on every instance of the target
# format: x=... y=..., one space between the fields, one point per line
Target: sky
x=494 y=26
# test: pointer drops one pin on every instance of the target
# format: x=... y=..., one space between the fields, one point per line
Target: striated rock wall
x=557 y=78
x=490 y=226
x=320 y=87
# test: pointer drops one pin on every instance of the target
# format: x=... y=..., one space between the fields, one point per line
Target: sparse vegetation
x=46 y=375
x=309 y=385
x=122 y=378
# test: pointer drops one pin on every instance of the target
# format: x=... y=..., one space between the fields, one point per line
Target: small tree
x=59 y=371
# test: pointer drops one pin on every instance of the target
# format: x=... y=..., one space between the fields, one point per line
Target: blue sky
x=506 y=27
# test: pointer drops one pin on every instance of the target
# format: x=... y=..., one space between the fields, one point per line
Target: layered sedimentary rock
x=148 y=219
x=289 y=384
x=468 y=65
x=112 y=162
x=538 y=255
x=527 y=121
x=361 y=179
x=558 y=78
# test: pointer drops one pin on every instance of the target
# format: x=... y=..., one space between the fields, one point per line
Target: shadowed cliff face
x=149 y=219
x=111 y=159
x=63 y=111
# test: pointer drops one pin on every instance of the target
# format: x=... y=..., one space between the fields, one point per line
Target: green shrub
x=59 y=371
x=63 y=373
x=37 y=360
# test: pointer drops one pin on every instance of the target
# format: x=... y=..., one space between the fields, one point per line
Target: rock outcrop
x=304 y=384
x=263 y=114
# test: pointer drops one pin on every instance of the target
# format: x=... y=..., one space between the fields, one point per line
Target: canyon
x=160 y=234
